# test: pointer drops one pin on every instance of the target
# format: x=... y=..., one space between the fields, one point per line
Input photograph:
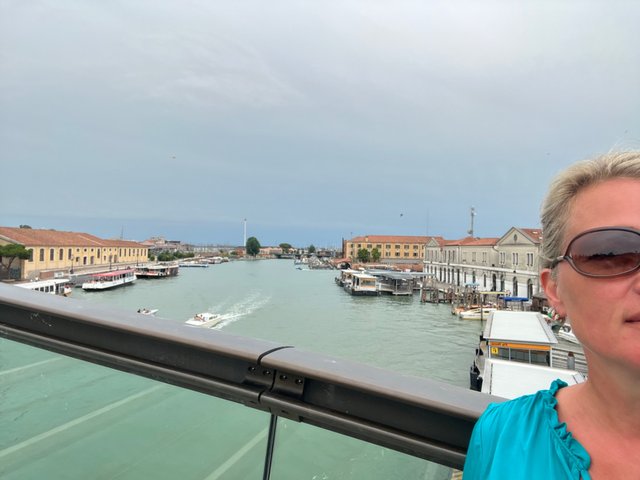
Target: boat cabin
x=519 y=336
x=58 y=286
x=362 y=284
x=512 y=343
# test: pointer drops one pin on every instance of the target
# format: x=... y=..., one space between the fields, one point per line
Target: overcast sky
x=312 y=120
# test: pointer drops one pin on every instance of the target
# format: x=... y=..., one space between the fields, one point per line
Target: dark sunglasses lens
x=607 y=252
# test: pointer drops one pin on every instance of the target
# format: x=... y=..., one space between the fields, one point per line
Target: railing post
x=271 y=440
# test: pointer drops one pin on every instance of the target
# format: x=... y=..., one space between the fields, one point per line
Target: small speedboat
x=476 y=313
x=205 y=319
x=566 y=332
x=147 y=311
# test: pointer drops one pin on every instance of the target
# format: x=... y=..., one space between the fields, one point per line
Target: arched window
x=529 y=289
x=51 y=254
x=42 y=254
x=515 y=287
x=61 y=254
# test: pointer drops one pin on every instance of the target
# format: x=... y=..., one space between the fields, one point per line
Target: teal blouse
x=523 y=438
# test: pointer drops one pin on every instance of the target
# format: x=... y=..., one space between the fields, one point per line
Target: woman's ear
x=550 y=286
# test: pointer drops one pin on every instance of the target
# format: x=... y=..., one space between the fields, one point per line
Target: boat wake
x=236 y=311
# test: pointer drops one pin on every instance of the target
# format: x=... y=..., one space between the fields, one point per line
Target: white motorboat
x=476 y=313
x=204 y=319
x=566 y=332
x=147 y=311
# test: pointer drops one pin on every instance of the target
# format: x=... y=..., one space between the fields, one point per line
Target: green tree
x=285 y=247
x=375 y=254
x=311 y=249
x=363 y=255
x=252 y=246
x=10 y=252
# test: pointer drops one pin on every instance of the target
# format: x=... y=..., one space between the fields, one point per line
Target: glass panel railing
x=304 y=451
x=65 y=418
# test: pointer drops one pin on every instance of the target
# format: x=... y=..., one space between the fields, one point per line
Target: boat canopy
x=516 y=299
x=510 y=379
x=115 y=273
x=518 y=327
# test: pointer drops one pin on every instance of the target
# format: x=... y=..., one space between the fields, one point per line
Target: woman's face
x=604 y=312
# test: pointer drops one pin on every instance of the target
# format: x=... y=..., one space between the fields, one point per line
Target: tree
x=375 y=254
x=311 y=249
x=12 y=251
x=363 y=255
x=252 y=246
x=285 y=247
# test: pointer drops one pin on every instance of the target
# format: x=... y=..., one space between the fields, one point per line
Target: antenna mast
x=245 y=233
x=473 y=214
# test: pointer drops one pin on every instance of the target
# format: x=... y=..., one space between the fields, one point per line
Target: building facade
x=392 y=248
x=55 y=253
x=508 y=264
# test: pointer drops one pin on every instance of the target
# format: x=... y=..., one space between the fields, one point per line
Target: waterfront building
x=510 y=263
x=392 y=248
x=55 y=253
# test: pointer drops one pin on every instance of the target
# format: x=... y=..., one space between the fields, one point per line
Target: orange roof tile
x=37 y=237
x=535 y=234
x=393 y=239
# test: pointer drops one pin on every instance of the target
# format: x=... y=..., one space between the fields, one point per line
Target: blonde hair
x=565 y=186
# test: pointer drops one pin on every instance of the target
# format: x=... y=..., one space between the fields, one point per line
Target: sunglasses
x=603 y=252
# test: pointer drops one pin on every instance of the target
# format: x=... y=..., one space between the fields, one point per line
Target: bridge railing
x=417 y=416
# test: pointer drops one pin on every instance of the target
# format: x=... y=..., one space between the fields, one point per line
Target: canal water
x=63 y=418
x=273 y=300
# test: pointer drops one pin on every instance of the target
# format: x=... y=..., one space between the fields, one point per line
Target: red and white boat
x=105 y=281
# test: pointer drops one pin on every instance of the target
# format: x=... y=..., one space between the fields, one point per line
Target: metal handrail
x=414 y=415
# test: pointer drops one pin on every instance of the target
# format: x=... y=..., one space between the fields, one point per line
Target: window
x=530 y=259
x=484 y=257
x=406 y=247
x=61 y=254
x=503 y=258
x=397 y=247
x=51 y=254
x=69 y=254
x=31 y=254
x=473 y=257
x=387 y=246
x=515 y=258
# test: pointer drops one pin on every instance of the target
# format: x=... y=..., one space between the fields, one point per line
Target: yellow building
x=55 y=253
x=392 y=248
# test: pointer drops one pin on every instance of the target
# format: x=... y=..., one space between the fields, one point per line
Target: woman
x=591 y=275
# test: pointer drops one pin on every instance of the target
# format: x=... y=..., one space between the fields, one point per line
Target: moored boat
x=204 y=319
x=362 y=284
x=515 y=356
x=476 y=313
x=108 y=280
x=565 y=331
x=194 y=264
x=56 y=286
x=157 y=271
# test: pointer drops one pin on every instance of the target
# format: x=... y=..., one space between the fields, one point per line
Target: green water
x=62 y=418
x=272 y=300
